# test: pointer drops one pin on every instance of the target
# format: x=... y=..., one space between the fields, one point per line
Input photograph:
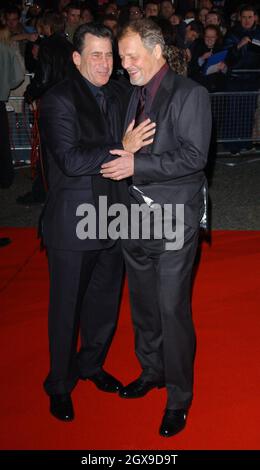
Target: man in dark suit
x=169 y=171
x=80 y=121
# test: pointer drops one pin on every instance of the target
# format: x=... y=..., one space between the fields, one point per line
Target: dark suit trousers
x=85 y=292
x=160 y=292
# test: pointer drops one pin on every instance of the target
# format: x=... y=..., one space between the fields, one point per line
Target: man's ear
x=157 y=51
x=76 y=57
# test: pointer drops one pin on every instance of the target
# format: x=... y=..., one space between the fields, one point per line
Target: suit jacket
x=76 y=140
x=170 y=171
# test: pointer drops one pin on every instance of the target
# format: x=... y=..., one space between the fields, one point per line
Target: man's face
x=151 y=9
x=247 y=19
x=167 y=9
x=174 y=20
x=95 y=62
x=202 y=15
x=212 y=18
x=190 y=35
x=140 y=63
x=210 y=38
x=86 y=16
x=12 y=21
x=73 y=16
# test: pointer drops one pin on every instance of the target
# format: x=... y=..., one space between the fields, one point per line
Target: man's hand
x=245 y=40
x=142 y=135
x=120 y=168
x=206 y=55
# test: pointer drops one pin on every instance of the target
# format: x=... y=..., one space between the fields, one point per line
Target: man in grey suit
x=168 y=171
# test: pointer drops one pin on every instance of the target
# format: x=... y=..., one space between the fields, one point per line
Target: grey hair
x=149 y=32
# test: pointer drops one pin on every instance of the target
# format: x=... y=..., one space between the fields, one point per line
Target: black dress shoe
x=105 y=382
x=61 y=407
x=173 y=422
x=4 y=241
x=140 y=387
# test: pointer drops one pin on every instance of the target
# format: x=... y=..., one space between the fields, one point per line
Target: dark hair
x=11 y=10
x=167 y=29
x=154 y=2
x=55 y=21
x=247 y=8
x=73 y=6
x=96 y=29
x=196 y=26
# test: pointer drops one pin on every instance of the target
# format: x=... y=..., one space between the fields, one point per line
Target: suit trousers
x=85 y=290
x=160 y=293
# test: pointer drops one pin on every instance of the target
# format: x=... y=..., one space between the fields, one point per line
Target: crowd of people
x=41 y=36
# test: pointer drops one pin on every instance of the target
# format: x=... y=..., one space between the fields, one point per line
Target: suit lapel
x=131 y=110
x=162 y=94
x=114 y=118
x=86 y=104
x=161 y=98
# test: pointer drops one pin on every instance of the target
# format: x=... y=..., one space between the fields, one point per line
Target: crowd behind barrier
x=193 y=30
x=236 y=119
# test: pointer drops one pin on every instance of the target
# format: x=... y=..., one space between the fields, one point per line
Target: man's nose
x=125 y=62
x=106 y=61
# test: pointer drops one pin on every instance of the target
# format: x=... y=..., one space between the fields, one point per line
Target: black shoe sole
x=101 y=388
x=173 y=433
x=143 y=394
x=65 y=420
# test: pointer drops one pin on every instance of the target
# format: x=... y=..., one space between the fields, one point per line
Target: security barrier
x=21 y=121
x=236 y=119
x=236 y=116
x=24 y=132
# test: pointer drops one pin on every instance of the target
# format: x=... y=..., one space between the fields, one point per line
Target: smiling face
x=210 y=37
x=141 y=64
x=95 y=62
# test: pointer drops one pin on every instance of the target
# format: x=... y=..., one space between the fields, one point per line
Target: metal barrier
x=236 y=119
x=21 y=122
x=236 y=116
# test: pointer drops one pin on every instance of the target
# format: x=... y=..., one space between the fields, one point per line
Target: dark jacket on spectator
x=248 y=56
x=213 y=82
x=54 y=61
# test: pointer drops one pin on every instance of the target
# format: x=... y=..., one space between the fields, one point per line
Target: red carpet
x=225 y=412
